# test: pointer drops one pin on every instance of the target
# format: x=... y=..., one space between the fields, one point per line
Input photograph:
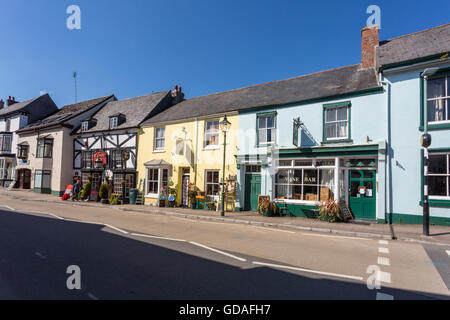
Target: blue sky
x=137 y=47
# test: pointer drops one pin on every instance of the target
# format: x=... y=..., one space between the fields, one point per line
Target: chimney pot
x=370 y=37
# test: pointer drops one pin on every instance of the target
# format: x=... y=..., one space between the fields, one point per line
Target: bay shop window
x=157 y=181
x=439 y=176
x=304 y=180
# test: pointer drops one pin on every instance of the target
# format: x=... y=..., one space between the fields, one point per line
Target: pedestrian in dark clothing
x=76 y=190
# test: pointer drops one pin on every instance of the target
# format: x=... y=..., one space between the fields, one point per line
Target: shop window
x=439 y=176
x=304 y=184
x=266 y=129
x=44 y=148
x=211 y=133
x=160 y=136
x=157 y=181
x=336 y=122
x=212 y=183
x=117 y=183
x=438 y=99
x=42 y=179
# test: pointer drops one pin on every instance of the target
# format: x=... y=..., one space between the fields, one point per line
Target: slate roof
x=319 y=85
x=65 y=114
x=427 y=43
x=36 y=108
x=156 y=163
x=136 y=110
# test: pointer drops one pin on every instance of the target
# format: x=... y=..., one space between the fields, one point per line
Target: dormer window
x=116 y=120
x=85 y=126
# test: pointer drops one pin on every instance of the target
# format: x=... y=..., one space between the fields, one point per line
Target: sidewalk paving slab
x=412 y=233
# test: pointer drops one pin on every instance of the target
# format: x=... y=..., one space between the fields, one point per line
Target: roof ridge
x=417 y=32
x=145 y=95
x=276 y=81
x=84 y=101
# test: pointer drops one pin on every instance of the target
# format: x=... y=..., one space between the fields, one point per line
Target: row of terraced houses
x=351 y=134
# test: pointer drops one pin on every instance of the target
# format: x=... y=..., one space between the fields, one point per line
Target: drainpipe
x=387 y=164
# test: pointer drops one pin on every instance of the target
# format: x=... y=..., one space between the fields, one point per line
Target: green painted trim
x=42 y=191
x=298 y=210
x=369 y=150
x=347 y=104
x=422 y=154
x=437 y=203
x=399 y=218
x=355 y=94
x=438 y=149
x=337 y=104
x=412 y=61
x=422 y=98
x=433 y=127
x=260 y=114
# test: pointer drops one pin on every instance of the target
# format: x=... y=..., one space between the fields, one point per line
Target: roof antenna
x=75 y=79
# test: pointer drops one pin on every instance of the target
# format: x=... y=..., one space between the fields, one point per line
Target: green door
x=362 y=197
x=252 y=191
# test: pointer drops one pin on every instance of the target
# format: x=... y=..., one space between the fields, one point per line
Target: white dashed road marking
x=155 y=237
x=384 y=277
x=384 y=242
x=383 y=250
x=117 y=229
x=448 y=252
x=384 y=261
x=383 y=296
x=217 y=251
x=309 y=271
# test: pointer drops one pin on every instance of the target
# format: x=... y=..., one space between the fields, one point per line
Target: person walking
x=76 y=190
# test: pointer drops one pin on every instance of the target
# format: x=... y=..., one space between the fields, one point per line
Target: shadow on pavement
x=36 y=251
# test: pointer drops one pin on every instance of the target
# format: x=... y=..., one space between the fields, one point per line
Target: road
x=124 y=255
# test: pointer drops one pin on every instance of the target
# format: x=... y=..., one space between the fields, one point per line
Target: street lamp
x=426 y=142
x=225 y=126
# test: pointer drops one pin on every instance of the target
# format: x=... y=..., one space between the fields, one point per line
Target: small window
x=211 y=133
x=160 y=138
x=44 y=148
x=212 y=183
x=438 y=99
x=22 y=152
x=337 y=123
x=85 y=126
x=439 y=176
x=113 y=122
x=8 y=125
x=266 y=129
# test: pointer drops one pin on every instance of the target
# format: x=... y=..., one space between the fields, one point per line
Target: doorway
x=362 y=197
x=24 y=179
x=252 y=187
x=185 y=180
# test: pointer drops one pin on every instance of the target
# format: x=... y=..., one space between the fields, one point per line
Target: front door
x=362 y=198
x=24 y=179
x=185 y=181
x=252 y=191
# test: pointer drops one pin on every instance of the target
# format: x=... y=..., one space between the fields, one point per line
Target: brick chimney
x=177 y=95
x=2 y=104
x=10 y=101
x=370 y=37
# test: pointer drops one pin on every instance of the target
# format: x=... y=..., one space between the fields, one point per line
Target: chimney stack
x=177 y=95
x=370 y=37
x=10 y=101
x=2 y=104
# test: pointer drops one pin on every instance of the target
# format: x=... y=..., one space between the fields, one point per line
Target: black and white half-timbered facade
x=105 y=145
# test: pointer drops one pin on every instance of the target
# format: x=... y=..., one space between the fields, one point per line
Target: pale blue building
x=351 y=134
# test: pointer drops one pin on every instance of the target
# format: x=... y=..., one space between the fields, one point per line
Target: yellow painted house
x=185 y=145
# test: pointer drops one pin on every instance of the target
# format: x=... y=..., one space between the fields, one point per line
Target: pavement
x=413 y=233
x=136 y=255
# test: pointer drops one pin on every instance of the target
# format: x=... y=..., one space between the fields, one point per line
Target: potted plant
x=330 y=211
x=103 y=193
x=114 y=199
x=267 y=208
x=173 y=192
x=86 y=193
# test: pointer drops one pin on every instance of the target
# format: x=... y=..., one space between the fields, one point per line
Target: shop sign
x=100 y=157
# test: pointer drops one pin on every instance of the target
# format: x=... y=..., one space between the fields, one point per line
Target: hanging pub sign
x=100 y=157
x=125 y=155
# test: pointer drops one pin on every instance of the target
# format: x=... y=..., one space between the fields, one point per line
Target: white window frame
x=85 y=126
x=446 y=99
x=212 y=183
x=266 y=128
x=156 y=139
x=447 y=154
x=159 y=181
x=113 y=122
x=211 y=133
x=336 y=122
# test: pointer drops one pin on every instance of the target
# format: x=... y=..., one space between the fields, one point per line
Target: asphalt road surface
x=172 y=258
